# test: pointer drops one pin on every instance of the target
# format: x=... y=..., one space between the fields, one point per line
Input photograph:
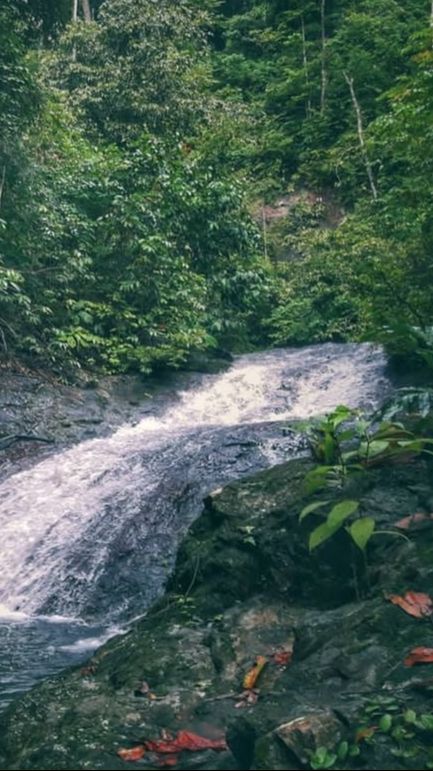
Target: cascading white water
x=79 y=500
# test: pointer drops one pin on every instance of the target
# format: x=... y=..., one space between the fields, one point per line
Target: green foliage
x=369 y=275
x=345 y=445
x=140 y=68
x=323 y=758
x=125 y=240
x=130 y=144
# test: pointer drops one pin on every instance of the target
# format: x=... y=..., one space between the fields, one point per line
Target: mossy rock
x=245 y=585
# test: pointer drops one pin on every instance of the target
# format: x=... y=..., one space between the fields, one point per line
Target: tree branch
x=364 y=153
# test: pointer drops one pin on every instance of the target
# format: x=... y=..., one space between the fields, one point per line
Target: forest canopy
x=142 y=144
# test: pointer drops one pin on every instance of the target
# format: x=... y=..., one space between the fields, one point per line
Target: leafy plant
x=323 y=758
x=349 y=444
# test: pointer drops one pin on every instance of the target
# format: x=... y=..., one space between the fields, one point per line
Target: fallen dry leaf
x=365 y=733
x=416 y=604
x=419 y=655
x=185 y=740
x=282 y=657
x=135 y=753
x=168 y=762
x=254 y=673
x=413 y=519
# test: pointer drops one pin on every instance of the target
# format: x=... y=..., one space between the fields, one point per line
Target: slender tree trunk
x=323 y=65
x=265 y=234
x=2 y=183
x=305 y=62
x=86 y=10
x=364 y=153
x=431 y=19
x=74 y=21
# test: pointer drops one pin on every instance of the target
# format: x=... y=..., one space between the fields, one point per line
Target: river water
x=89 y=535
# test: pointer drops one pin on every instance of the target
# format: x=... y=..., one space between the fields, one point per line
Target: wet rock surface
x=246 y=586
x=32 y=405
x=40 y=415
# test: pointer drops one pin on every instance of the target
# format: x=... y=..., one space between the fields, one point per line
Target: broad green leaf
x=343 y=750
x=348 y=455
x=341 y=511
x=361 y=531
x=340 y=414
x=385 y=723
x=310 y=508
x=377 y=447
x=321 y=534
x=349 y=433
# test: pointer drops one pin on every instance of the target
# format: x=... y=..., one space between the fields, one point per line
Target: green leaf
x=344 y=436
x=377 y=447
x=362 y=530
x=322 y=758
x=310 y=508
x=321 y=534
x=354 y=751
x=385 y=723
x=340 y=414
x=427 y=722
x=343 y=750
x=342 y=511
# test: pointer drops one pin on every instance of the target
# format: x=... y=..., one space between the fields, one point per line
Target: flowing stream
x=89 y=535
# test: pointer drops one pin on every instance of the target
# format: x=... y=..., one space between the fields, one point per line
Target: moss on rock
x=246 y=585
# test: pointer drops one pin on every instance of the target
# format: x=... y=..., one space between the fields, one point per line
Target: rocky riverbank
x=246 y=586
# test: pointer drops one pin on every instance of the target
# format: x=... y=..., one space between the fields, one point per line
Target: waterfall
x=91 y=532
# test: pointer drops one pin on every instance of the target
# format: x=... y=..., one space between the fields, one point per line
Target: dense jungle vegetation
x=141 y=143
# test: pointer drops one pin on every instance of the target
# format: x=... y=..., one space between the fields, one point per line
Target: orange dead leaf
x=413 y=519
x=419 y=656
x=185 y=740
x=135 y=753
x=254 y=673
x=365 y=733
x=416 y=604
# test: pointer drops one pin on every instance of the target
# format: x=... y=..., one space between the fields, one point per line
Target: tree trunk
x=74 y=21
x=86 y=10
x=2 y=183
x=323 y=65
x=305 y=62
x=364 y=153
x=265 y=235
